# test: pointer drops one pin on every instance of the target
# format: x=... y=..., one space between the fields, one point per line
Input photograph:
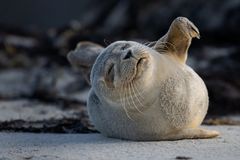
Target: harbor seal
x=146 y=93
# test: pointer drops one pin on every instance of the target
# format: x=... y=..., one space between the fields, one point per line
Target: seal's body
x=149 y=93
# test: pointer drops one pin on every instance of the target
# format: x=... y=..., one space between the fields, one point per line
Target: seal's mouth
x=139 y=67
x=130 y=70
x=140 y=61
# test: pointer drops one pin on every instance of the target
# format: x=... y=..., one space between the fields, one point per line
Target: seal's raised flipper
x=193 y=133
x=178 y=39
x=84 y=56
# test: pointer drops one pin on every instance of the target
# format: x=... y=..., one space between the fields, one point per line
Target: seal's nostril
x=128 y=55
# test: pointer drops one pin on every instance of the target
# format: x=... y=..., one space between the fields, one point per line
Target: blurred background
x=40 y=92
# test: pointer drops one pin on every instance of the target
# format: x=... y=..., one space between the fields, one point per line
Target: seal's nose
x=128 y=55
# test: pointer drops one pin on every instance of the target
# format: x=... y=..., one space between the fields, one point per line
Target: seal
x=146 y=93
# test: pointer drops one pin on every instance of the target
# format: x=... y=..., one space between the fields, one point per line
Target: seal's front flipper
x=193 y=133
x=84 y=56
x=178 y=39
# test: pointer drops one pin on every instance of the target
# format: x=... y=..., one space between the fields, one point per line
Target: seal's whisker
x=124 y=105
x=138 y=92
x=122 y=101
x=138 y=95
x=141 y=46
x=162 y=45
x=146 y=43
x=127 y=95
x=151 y=44
x=161 y=49
x=141 y=49
x=121 y=98
x=132 y=97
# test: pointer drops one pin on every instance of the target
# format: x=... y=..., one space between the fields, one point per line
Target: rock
x=34 y=116
x=156 y=17
x=122 y=17
x=16 y=83
x=26 y=110
x=43 y=83
x=219 y=68
x=60 y=83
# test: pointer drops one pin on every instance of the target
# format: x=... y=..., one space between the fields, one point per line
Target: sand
x=29 y=146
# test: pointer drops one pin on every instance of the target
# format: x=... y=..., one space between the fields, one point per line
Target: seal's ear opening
x=84 y=56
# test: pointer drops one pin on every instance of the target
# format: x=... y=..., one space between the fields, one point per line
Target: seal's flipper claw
x=193 y=133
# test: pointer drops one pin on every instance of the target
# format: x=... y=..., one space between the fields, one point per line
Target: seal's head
x=121 y=63
x=124 y=69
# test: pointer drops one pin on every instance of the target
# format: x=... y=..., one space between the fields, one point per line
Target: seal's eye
x=110 y=69
x=110 y=74
x=126 y=46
